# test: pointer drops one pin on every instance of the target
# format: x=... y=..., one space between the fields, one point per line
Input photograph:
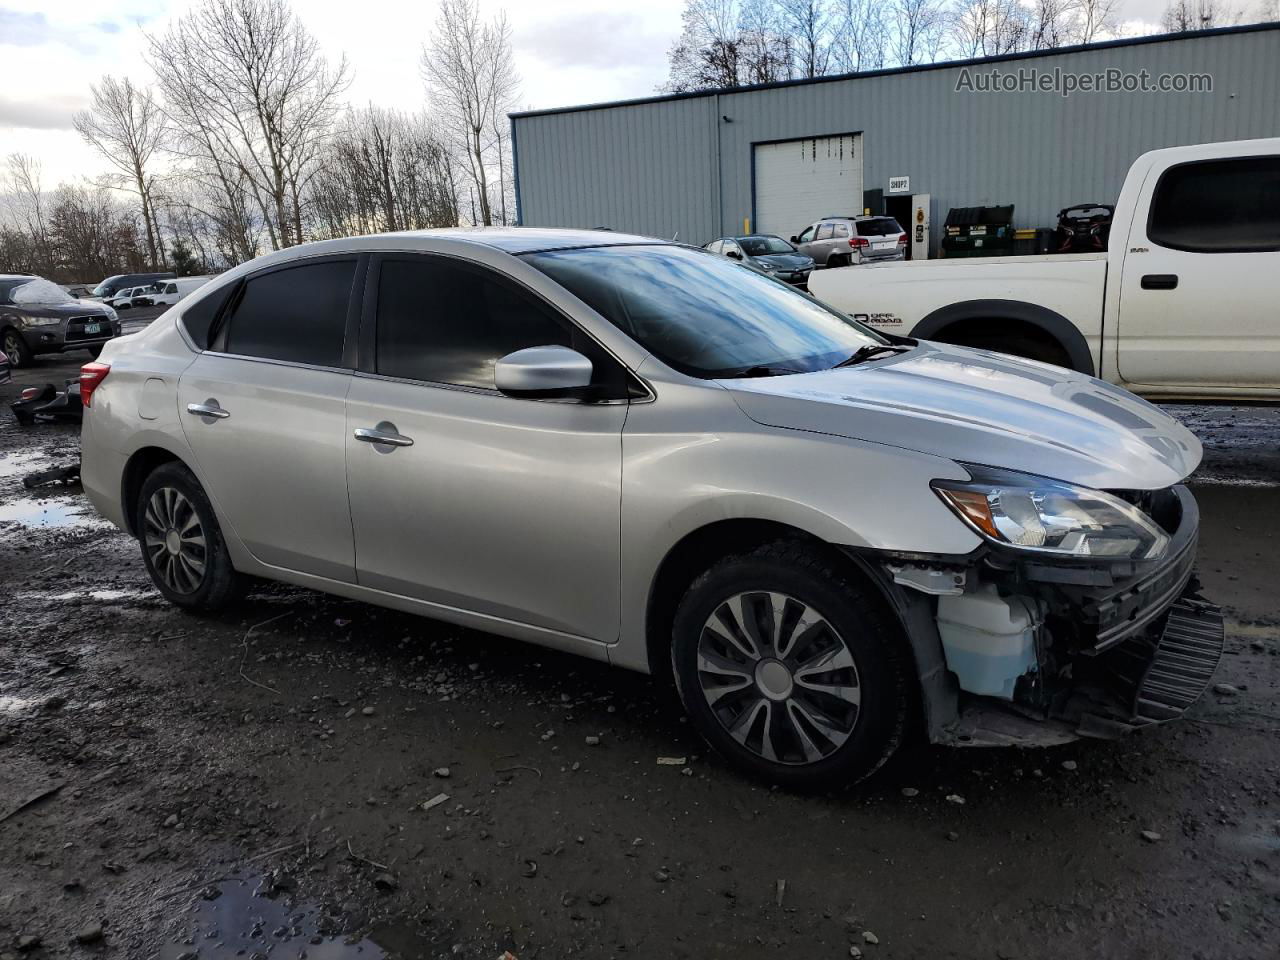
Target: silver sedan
x=642 y=453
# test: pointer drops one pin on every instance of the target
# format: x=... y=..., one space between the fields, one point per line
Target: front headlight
x=1040 y=515
x=43 y=321
x=111 y=314
x=767 y=267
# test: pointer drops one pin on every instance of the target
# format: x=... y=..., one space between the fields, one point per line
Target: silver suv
x=644 y=454
x=841 y=241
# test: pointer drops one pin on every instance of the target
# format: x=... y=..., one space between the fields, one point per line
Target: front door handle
x=209 y=408
x=384 y=433
x=1160 y=281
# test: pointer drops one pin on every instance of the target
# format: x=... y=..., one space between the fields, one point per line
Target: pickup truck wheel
x=182 y=544
x=16 y=349
x=789 y=669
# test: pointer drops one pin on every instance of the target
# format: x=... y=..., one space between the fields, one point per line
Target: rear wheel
x=839 y=260
x=789 y=669
x=16 y=349
x=182 y=544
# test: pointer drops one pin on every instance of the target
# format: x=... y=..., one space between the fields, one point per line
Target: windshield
x=39 y=292
x=704 y=315
x=760 y=246
x=878 y=227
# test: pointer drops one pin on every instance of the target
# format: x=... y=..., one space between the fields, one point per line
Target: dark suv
x=37 y=316
x=113 y=285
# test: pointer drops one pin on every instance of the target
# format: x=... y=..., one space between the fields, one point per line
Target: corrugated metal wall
x=651 y=167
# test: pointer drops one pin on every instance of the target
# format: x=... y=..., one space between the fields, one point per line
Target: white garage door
x=800 y=181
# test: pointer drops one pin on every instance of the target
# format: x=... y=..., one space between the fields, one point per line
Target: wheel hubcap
x=779 y=677
x=174 y=540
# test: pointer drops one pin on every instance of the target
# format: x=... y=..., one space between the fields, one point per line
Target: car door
x=264 y=411
x=823 y=242
x=806 y=242
x=1200 y=283
x=504 y=507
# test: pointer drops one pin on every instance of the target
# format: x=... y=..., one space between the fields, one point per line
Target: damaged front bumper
x=1048 y=652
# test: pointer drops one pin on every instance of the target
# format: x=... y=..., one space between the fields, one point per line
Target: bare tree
x=470 y=74
x=858 y=35
x=1184 y=15
x=807 y=23
x=729 y=43
x=93 y=235
x=917 y=29
x=1093 y=19
x=384 y=171
x=29 y=208
x=127 y=127
x=256 y=99
x=988 y=28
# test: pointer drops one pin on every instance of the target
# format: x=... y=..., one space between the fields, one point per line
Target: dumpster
x=978 y=232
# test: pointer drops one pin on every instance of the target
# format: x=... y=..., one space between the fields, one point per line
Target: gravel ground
x=308 y=776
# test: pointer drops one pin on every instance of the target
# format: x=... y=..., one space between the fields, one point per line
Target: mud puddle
x=19 y=463
x=260 y=918
x=60 y=514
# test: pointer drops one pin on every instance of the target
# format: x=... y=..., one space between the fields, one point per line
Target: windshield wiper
x=870 y=352
x=760 y=370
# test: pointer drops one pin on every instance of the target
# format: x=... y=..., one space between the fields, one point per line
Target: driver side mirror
x=795 y=239
x=543 y=372
x=734 y=254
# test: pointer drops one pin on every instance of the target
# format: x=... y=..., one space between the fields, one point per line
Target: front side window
x=704 y=315
x=763 y=246
x=298 y=314
x=443 y=322
x=1218 y=206
x=806 y=236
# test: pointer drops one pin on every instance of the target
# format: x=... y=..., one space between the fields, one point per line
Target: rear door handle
x=381 y=434
x=1160 y=281
x=209 y=408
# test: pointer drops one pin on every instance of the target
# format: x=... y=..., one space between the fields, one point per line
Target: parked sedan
x=627 y=449
x=37 y=316
x=768 y=254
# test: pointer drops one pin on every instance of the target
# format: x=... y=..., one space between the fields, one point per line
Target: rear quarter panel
x=895 y=297
x=135 y=407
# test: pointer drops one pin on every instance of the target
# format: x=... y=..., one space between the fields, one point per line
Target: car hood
x=76 y=308
x=986 y=408
x=785 y=261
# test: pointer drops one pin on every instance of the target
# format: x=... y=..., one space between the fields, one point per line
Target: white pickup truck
x=1185 y=305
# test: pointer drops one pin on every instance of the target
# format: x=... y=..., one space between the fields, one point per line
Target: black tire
x=1029 y=348
x=15 y=347
x=216 y=585
x=95 y=352
x=859 y=621
x=838 y=260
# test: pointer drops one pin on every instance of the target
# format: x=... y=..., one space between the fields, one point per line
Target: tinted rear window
x=1218 y=206
x=878 y=227
x=298 y=314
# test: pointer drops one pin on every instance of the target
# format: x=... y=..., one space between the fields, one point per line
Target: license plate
x=884 y=244
x=93 y=328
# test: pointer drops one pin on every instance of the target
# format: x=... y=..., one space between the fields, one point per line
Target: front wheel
x=182 y=544
x=16 y=349
x=790 y=669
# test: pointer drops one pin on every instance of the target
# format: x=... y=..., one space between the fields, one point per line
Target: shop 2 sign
x=899 y=184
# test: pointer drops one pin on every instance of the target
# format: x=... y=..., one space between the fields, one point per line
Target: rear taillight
x=29 y=394
x=858 y=241
x=902 y=239
x=91 y=377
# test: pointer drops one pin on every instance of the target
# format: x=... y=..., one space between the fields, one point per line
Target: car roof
x=18 y=276
x=518 y=240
